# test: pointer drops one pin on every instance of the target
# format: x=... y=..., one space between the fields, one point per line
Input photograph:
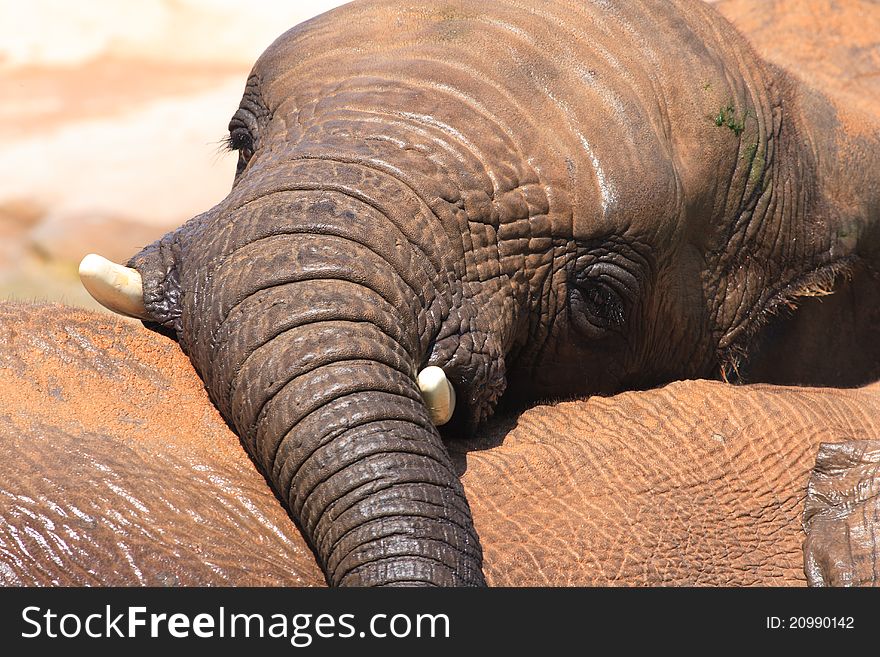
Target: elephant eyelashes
x=241 y=141
x=596 y=308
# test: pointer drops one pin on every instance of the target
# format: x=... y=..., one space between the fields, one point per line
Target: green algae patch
x=757 y=169
x=727 y=117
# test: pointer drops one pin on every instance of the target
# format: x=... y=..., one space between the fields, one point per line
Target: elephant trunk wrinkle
x=332 y=412
x=280 y=370
x=293 y=326
x=358 y=453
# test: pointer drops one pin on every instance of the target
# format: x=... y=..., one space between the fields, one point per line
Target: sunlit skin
x=543 y=202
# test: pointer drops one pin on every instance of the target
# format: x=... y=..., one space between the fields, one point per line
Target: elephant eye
x=596 y=308
x=241 y=141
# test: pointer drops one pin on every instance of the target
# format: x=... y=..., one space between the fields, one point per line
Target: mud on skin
x=538 y=200
x=116 y=470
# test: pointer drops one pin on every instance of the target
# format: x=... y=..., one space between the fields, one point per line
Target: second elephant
x=115 y=470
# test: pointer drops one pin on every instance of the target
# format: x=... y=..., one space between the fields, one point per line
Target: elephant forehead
x=614 y=126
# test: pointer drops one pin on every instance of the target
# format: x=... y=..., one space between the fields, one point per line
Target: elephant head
x=559 y=200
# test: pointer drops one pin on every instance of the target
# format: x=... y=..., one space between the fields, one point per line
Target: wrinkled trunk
x=308 y=315
x=333 y=416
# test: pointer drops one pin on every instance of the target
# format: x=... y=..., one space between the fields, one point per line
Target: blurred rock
x=19 y=214
x=17 y=218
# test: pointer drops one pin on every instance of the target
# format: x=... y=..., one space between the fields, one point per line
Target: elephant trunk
x=308 y=315
x=331 y=411
x=334 y=417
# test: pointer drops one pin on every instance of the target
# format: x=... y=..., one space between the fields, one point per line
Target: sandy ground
x=118 y=112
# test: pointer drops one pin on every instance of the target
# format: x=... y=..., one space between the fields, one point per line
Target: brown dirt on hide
x=698 y=483
x=116 y=469
x=154 y=396
x=833 y=46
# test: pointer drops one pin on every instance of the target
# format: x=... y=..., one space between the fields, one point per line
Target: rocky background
x=113 y=115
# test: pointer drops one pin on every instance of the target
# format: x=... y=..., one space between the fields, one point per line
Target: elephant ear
x=840 y=516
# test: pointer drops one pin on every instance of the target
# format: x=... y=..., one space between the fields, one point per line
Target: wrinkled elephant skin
x=115 y=469
x=543 y=202
x=842 y=516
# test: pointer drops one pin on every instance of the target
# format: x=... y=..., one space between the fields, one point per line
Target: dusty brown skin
x=115 y=469
x=553 y=200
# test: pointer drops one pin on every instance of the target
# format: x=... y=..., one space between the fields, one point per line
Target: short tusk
x=117 y=288
x=438 y=393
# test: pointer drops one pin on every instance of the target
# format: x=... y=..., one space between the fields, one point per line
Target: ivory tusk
x=438 y=393
x=117 y=288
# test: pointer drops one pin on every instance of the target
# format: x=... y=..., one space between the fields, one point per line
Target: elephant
x=117 y=470
x=439 y=204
